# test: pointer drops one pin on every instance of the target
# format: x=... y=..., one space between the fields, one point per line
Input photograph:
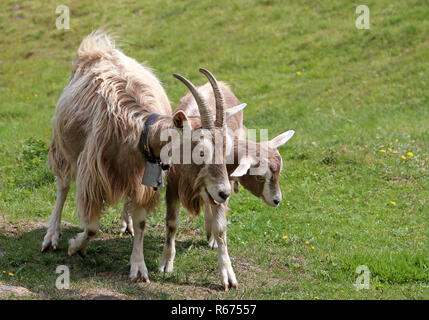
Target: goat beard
x=190 y=194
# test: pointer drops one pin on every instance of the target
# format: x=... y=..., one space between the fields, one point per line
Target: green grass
x=359 y=91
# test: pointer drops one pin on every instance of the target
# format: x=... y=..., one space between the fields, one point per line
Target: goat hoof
x=49 y=246
x=50 y=241
x=212 y=243
x=130 y=231
x=226 y=288
x=166 y=266
x=139 y=271
x=82 y=253
x=139 y=277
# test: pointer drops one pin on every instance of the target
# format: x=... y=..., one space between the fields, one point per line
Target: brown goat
x=246 y=155
x=181 y=189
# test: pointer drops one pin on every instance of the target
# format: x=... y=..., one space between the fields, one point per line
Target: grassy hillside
x=355 y=181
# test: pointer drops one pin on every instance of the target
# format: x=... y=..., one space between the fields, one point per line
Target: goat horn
x=220 y=101
x=206 y=116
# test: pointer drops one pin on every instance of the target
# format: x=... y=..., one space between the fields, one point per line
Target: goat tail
x=95 y=46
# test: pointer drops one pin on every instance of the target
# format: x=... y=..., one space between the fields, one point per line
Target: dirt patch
x=11 y=292
x=19 y=227
x=101 y=294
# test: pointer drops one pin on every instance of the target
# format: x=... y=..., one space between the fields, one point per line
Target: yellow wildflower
x=410 y=154
x=312 y=247
x=382 y=150
x=404 y=157
x=285 y=237
x=393 y=203
x=102 y=218
x=298 y=73
x=307 y=242
x=3 y=271
x=427 y=159
x=395 y=151
x=390 y=149
x=11 y=274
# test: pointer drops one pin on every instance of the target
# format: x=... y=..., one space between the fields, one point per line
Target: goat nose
x=223 y=195
x=276 y=201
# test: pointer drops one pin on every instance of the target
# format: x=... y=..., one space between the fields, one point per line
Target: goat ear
x=179 y=118
x=242 y=168
x=281 y=139
x=232 y=111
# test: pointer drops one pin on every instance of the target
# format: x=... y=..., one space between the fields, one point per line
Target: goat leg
x=54 y=227
x=208 y=223
x=126 y=221
x=172 y=222
x=138 y=265
x=219 y=231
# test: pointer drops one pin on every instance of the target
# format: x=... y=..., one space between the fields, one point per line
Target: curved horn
x=205 y=114
x=220 y=101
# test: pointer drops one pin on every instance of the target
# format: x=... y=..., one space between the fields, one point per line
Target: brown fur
x=189 y=180
x=253 y=183
x=187 y=192
x=180 y=178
